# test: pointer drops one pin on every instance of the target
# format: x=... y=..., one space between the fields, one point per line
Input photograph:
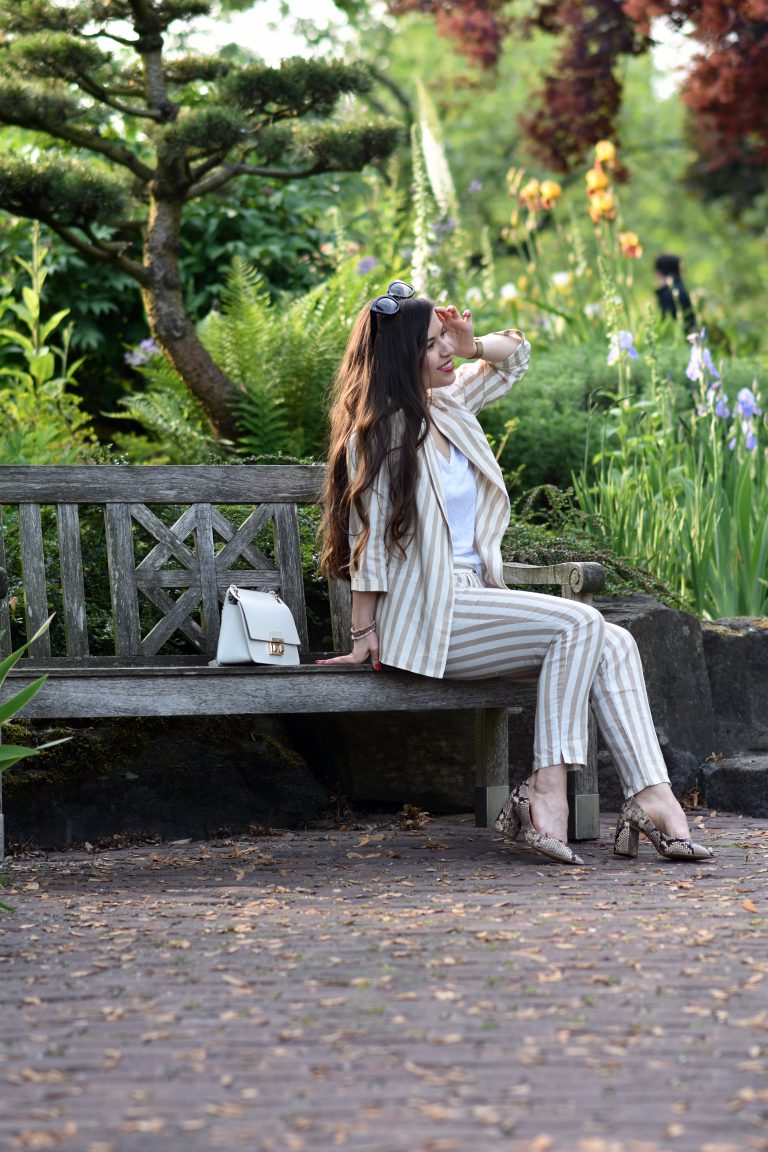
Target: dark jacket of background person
x=671 y=293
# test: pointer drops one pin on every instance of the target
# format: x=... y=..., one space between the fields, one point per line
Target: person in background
x=671 y=293
x=415 y=508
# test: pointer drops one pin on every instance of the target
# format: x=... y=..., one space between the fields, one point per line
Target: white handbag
x=256 y=628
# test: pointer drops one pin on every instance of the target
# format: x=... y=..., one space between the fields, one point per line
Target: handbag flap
x=266 y=616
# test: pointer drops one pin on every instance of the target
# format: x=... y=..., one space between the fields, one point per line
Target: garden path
x=381 y=988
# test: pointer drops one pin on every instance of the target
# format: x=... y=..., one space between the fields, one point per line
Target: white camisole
x=460 y=492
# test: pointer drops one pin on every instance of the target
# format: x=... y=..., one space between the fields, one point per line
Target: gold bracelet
x=478 y=349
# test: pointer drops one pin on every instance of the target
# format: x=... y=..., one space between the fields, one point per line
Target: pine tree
x=129 y=131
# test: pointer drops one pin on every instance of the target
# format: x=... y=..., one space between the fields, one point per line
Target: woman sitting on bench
x=415 y=511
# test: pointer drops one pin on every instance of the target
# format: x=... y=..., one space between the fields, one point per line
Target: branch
x=232 y=170
x=102 y=253
x=95 y=143
x=103 y=97
x=104 y=35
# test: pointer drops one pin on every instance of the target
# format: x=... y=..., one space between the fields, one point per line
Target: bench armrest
x=577 y=580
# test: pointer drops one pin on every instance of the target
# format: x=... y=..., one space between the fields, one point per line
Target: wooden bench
x=173 y=539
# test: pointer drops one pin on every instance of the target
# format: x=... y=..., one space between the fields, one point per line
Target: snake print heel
x=627 y=839
x=514 y=821
x=633 y=820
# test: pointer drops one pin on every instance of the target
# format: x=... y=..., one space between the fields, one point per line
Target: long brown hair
x=378 y=383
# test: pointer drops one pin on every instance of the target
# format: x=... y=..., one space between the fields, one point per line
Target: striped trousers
x=581 y=660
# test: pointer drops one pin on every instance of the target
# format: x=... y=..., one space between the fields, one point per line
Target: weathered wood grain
x=72 y=585
x=288 y=549
x=163 y=484
x=33 y=578
x=5 y=615
x=340 y=596
x=125 y=607
x=189 y=691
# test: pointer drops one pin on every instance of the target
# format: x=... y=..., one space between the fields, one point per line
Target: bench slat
x=239 y=542
x=165 y=548
x=5 y=613
x=289 y=562
x=33 y=575
x=209 y=590
x=340 y=596
x=176 y=615
x=201 y=690
x=121 y=578
x=163 y=484
x=72 y=585
x=171 y=544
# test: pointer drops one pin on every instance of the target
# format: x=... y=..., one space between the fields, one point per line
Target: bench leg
x=583 y=795
x=492 y=762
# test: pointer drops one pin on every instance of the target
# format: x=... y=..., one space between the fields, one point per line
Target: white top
x=460 y=492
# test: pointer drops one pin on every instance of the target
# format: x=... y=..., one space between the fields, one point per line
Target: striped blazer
x=414 y=611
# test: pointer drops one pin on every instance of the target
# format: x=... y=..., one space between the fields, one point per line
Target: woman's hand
x=458 y=327
x=362 y=650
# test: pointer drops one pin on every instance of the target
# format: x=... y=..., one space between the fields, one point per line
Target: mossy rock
x=166 y=778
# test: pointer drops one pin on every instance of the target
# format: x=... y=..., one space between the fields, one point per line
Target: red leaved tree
x=726 y=88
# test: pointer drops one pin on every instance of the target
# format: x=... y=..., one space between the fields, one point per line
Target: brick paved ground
x=380 y=990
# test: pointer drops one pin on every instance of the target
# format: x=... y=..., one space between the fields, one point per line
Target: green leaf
x=15 y=656
x=15 y=703
x=54 y=322
x=32 y=301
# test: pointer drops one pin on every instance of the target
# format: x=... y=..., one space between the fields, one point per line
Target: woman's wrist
x=363 y=631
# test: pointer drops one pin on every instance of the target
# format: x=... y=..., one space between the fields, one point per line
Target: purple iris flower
x=141 y=353
x=622 y=342
x=746 y=404
x=474 y=187
x=700 y=360
x=367 y=264
x=751 y=442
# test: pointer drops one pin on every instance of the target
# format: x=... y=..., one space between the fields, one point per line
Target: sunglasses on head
x=390 y=304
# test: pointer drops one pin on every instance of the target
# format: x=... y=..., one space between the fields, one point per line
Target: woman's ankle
x=550 y=780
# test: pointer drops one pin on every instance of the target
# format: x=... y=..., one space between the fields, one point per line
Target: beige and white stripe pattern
x=581 y=659
x=414 y=618
x=436 y=622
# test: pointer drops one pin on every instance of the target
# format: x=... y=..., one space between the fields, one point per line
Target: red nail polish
x=377 y=667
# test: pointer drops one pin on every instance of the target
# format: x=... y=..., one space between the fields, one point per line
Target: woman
x=415 y=511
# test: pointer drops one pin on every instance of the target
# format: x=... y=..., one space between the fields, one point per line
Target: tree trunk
x=171 y=326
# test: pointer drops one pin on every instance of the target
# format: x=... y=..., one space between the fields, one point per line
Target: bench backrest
x=196 y=552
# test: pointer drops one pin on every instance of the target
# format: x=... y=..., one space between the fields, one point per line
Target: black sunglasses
x=390 y=304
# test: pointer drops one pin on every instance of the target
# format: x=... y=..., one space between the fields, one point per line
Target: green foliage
x=281 y=354
x=296 y=347
x=123 y=133
x=62 y=189
x=11 y=754
x=682 y=486
x=44 y=421
x=548 y=527
x=175 y=428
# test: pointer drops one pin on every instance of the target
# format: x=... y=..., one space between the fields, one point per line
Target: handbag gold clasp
x=277 y=646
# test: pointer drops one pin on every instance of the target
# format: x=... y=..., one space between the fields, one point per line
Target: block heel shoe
x=633 y=820
x=514 y=821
